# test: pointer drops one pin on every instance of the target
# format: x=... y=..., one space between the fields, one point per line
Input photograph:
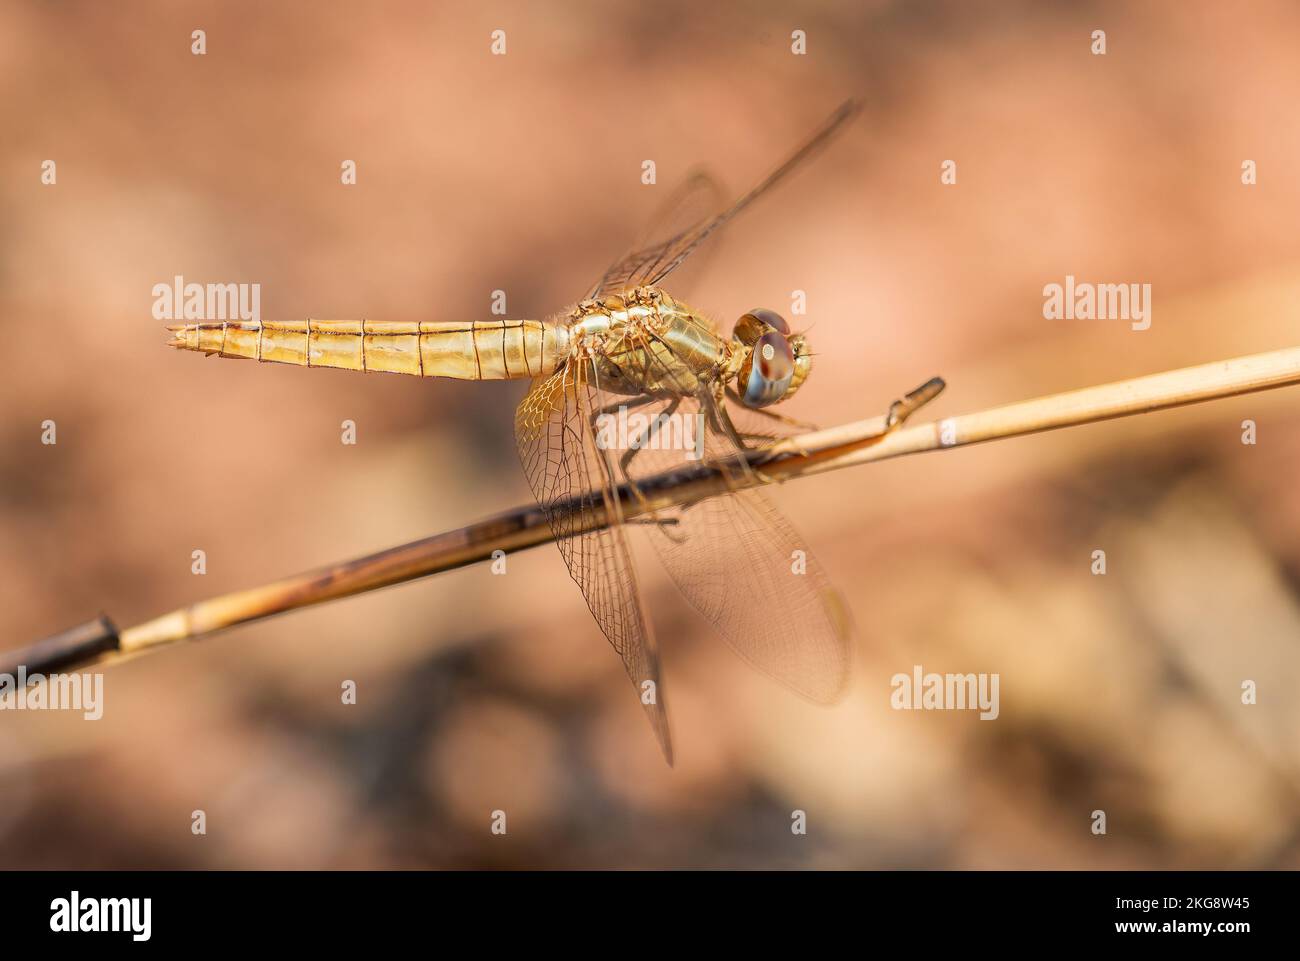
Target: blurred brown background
x=521 y=172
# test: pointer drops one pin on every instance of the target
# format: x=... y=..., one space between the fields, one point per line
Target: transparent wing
x=742 y=565
x=686 y=222
x=570 y=478
x=735 y=557
x=688 y=208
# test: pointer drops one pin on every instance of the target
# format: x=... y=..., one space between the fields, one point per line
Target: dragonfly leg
x=773 y=415
x=773 y=446
x=648 y=434
x=663 y=523
x=613 y=408
x=635 y=448
x=746 y=469
x=902 y=409
x=616 y=406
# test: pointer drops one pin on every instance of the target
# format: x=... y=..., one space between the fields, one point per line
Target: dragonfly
x=686 y=393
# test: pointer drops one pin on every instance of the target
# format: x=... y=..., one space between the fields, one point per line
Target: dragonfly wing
x=694 y=202
x=742 y=565
x=571 y=477
x=683 y=225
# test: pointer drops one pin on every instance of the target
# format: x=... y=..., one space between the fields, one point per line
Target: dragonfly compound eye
x=769 y=372
x=758 y=322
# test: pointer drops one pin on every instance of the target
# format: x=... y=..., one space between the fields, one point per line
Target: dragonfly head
x=773 y=362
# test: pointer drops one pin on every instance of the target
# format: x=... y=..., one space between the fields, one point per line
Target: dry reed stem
x=832 y=449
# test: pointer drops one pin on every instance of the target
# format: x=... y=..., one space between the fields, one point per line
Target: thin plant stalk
x=835 y=448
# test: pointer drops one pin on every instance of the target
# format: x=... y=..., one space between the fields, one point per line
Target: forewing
x=571 y=478
x=690 y=207
x=684 y=227
x=742 y=565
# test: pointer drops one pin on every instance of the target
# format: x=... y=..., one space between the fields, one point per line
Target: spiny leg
x=625 y=461
x=782 y=418
x=725 y=424
x=663 y=523
x=647 y=435
x=764 y=440
x=615 y=406
x=769 y=444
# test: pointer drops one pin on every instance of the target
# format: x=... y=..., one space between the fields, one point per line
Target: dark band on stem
x=74 y=647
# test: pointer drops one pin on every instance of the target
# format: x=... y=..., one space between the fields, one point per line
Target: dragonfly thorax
x=646 y=342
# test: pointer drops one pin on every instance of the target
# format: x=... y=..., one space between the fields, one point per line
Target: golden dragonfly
x=629 y=346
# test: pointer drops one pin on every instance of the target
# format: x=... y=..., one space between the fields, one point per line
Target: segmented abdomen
x=483 y=350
